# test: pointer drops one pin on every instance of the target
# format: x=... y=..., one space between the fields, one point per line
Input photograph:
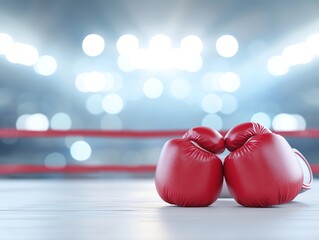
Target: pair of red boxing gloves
x=261 y=169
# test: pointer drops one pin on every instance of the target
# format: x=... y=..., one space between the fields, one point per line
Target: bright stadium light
x=127 y=44
x=35 y=122
x=160 y=42
x=229 y=82
x=296 y=54
x=192 y=44
x=227 y=46
x=277 y=66
x=21 y=53
x=93 y=45
x=160 y=55
x=5 y=43
x=81 y=150
x=46 y=65
x=288 y=122
x=313 y=43
x=94 y=81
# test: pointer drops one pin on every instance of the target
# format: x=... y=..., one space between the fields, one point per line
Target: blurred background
x=153 y=65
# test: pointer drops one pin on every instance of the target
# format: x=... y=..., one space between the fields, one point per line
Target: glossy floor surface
x=131 y=209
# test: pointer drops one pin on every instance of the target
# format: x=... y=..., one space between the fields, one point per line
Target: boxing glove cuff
x=306 y=169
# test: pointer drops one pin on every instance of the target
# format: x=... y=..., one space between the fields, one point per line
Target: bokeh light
x=126 y=63
x=79 y=82
x=277 y=66
x=160 y=42
x=114 y=81
x=21 y=53
x=127 y=44
x=5 y=43
x=94 y=81
x=299 y=53
x=210 y=82
x=21 y=121
x=61 y=121
x=46 y=65
x=94 y=104
x=229 y=82
x=35 y=122
x=153 y=88
x=93 y=45
x=288 y=122
x=80 y=150
x=313 y=43
x=171 y=77
x=211 y=103
x=112 y=103
x=262 y=118
x=294 y=54
x=213 y=121
x=192 y=64
x=192 y=45
x=160 y=55
x=227 y=46
x=55 y=160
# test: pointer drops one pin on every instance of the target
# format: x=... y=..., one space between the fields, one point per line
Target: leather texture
x=189 y=173
x=262 y=169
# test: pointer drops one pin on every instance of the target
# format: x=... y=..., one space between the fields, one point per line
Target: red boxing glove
x=262 y=169
x=188 y=172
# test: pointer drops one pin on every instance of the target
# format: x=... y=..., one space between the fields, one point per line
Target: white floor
x=131 y=209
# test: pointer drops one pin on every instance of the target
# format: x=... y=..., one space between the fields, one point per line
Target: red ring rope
x=8 y=169
x=31 y=168
x=73 y=169
x=14 y=133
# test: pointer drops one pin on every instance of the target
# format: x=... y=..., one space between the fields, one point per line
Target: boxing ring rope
x=14 y=133
x=7 y=169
